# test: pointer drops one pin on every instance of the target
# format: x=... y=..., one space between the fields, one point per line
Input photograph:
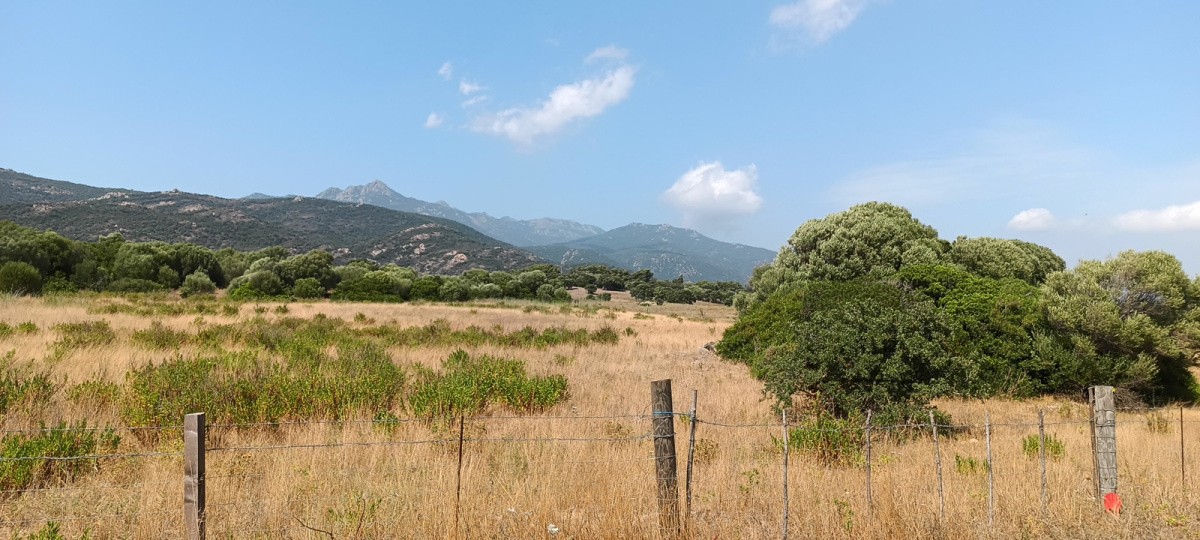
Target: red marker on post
x=1112 y=504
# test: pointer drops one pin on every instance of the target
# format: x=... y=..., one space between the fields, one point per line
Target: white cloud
x=1034 y=219
x=609 y=52
x=1172 y=218
x=475 y=100
x=467 y=88
x=566 y=103
x=818 y=20
x=710 y=195
x=434 y=120
x=446 y=71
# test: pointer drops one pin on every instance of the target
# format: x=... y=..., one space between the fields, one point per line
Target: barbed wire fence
x=221 y=467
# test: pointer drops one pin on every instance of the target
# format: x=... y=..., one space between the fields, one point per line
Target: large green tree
x=871 y=240
x=1002 y=258
x=1130 y=321
x=846 y=347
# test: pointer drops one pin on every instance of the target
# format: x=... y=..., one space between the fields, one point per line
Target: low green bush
x=20 y=385
x=468 y=385
x=1055 y=449
x=29 y=458
x=158 y=336
x=19 y=278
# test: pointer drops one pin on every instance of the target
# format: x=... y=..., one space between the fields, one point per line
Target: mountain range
x=523 y=233
x=370 y=222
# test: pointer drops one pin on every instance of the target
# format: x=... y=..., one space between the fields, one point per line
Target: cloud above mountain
x=566 y=104
x=708 y=195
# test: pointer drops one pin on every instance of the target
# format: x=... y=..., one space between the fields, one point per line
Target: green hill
x=349 y=231
x=665 y=250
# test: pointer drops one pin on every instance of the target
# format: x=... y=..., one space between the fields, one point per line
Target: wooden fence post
x=1042 y=458
x=870 y=496
x=193 y=476
x=937 y=448
x=1104 y=440
x=462 y=422
x=1182 y=456
x=691 y=455
x=786 y=450
x=664 y=457
x=991 y=468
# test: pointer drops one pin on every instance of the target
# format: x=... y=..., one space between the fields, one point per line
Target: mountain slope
x=349 y=231
x=514 y=231
x=21 y=188
x=667 y=251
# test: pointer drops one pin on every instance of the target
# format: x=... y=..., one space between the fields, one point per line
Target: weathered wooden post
x=991 y=468
x=1104 y=440
x=691 y=454
x=664 y=457
x=786 y=449
x=193 y=476
x=937 y=449
x=870 y=496
x=1042 y=458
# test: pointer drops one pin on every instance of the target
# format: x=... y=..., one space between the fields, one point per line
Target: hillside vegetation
x=32 y=262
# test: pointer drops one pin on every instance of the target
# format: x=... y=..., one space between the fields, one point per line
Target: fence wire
x=751 y=445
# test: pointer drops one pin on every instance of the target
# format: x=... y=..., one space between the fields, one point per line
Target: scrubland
x=343 y=420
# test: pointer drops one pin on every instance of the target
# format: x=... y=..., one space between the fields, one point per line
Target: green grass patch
x=27 y=462
x=87 y=334
x=829 y=440
x=97 y=393
x=159 y=337
x=1055 y=449
x=20 y=386
x=469 y=385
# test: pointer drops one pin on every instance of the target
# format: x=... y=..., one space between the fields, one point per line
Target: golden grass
x=517 y=479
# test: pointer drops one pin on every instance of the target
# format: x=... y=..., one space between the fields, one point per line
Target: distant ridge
x=667 y=251
x=349 y=231
x=517 y=232
x=21 y=188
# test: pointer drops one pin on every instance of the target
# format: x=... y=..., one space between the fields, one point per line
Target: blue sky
x=1071 y=124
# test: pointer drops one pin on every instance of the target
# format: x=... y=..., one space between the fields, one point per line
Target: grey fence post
x=1104 y=439
x=193 y=476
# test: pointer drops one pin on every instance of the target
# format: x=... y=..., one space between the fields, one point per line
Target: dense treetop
x=869 y=309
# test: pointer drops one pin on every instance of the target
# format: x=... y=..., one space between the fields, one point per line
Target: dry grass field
x=582 y=468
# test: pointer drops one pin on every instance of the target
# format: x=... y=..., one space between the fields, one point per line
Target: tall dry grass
x=584 y=466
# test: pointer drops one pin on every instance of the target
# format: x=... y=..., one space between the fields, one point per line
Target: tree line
x=33 y=262
x=868 y=309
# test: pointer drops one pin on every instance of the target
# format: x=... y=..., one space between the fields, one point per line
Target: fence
x=612 y=476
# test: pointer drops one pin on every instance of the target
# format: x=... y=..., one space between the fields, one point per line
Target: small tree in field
x=20 y=278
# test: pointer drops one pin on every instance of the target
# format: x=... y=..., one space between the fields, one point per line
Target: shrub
x=95 y=392
x=21 y=387
x=59 y=285
x=160 y=337
x=29 y=458
x=970 y=465
x=197 y=283
x=81 y=335
x=19 y=278
x=308 y=288
x=829 y=440
x=1055 y=449
x=469 y=385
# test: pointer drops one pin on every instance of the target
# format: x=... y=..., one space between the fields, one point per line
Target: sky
x=1072 y=124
